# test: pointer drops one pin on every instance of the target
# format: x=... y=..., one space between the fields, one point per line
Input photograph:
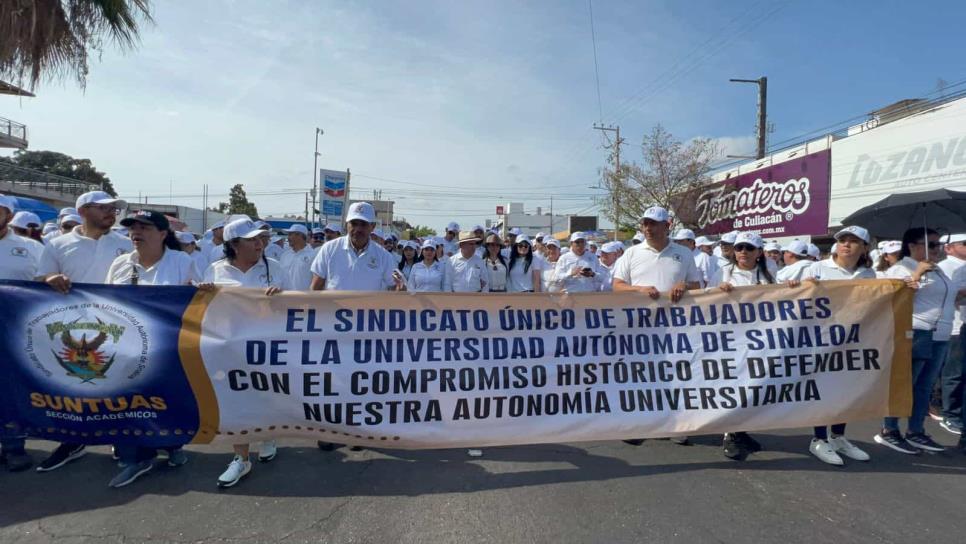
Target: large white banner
x=449 y=370
x=921 y=152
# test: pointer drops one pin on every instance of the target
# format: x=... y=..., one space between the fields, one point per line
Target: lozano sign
x=785 y=199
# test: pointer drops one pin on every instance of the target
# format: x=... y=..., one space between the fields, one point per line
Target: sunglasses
x=745 y=247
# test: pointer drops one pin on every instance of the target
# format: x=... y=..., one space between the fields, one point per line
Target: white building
x=540 y=221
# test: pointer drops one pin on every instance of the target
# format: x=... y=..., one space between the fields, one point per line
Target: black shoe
x=961 y=446
x=732 y=448
x=894 y=440
x=681 y=440
x=328 y=446
x=924 y=442
x=634 y=441
x=748 y=443
x=65 y=453
x=16 y=461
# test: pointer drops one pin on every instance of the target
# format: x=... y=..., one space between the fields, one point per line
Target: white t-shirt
x=466 y=275
x=299 y=267
x=794 y=271
x=216 y=253
x=201 y=262
x=274 y=251
x=547 y=277
x=951 y=265
x=828 y=270
x=642 y=265
x=934 y=305
x=451 y=248
x=707 y=265
x=19 y=257
x=174 y=268
x=344 y=270
x=83 y=259
x=427 y=279
x=224 y=273
x=522 y=281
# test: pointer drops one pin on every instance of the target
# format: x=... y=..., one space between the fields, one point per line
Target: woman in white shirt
x=525 y=267
x=849 y=261
x=156 y=260
x=551 y=248
x=932 y=323
x=495 y=264
x=245 y=265
x=428 y=275
x=748 y=267
x=891 y=254
x=408 y=257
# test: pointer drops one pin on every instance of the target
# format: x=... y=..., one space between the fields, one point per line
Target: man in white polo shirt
x=451 y=245
x=607 y=257
x=706 y=262
x=657 y=266
x=577 y=271
x=465 y=271
x=356 y=262
x=795 y=255
x=83 y=255
x=298 y=258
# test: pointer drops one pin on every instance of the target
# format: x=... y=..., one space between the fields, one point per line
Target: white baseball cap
x=218 y=225
x=729 y=237
x=7 y=202
x=814 y=251
x=98 y=197
x=656 y=213
x=748 y=237
x=796 y=247
x=611 y=247
x=331 y=226
x=379 y=233
x=552 y=242
x=453 y=227
x=299 y=228
x=263 y=225
x=683 y=234
x=891 y=246
x=639 y=237
x=317 y=230
x=772 y=246
x=49 y=227
x=856 y=231
x=954 y=238
x=703 y=241
x=23 y=220
x=539 y=236
x=428 y=243
x=523 y=238
x=591 y=243
x=577 y=236
x=185 y=237
x=361 y=211
x=70 y=218
x=67 y=211
x=241 y=228
x=477 y=227
x=515 y=231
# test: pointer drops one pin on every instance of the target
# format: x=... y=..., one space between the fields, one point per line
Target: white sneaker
x=237 y=470
x=841 y=445
x=474 y=453
x=823 y=450
x=267 y=451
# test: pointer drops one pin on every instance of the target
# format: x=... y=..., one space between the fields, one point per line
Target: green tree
x=60 y=164
x=238 y=203
x=53 y=38
x=420 y=231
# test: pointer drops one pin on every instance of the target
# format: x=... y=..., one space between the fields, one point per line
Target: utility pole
x=315 y=172
x=762 y=83
x=616 y=147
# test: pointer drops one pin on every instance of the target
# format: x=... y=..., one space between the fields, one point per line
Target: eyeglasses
x=745 y=247
x=105 y=208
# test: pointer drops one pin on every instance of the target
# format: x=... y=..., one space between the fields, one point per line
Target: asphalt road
x=590 y=492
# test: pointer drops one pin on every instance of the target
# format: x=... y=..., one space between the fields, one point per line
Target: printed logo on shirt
x=372 y=263
x=119 y=251
x=19 y=252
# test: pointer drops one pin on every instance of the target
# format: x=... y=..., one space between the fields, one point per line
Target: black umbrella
x=940 y=210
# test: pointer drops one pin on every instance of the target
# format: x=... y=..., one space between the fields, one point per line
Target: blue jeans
x=953 y=376
x=928 y=357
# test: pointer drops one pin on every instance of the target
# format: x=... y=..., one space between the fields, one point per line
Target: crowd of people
x=87 y=244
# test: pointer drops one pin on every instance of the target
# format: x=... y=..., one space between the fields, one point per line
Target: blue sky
x=454 y=107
